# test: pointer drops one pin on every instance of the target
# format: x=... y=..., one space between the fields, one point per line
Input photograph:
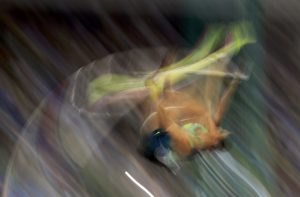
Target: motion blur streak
x=138 y=184
x=54 y=143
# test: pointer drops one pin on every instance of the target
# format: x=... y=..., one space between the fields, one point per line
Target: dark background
x=44 y=42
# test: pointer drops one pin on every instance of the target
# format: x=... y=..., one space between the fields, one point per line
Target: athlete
x=186 y=126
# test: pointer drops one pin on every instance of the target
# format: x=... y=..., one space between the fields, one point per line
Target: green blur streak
x=112 y=83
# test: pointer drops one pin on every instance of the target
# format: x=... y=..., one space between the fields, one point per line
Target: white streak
x=138 y=184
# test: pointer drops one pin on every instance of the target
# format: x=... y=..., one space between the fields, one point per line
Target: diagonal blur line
x=242 y=173
x=138 y=184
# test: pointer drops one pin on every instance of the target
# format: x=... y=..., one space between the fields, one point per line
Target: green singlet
x=191 y=129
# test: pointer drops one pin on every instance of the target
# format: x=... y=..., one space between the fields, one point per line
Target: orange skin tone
x=175 y=109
